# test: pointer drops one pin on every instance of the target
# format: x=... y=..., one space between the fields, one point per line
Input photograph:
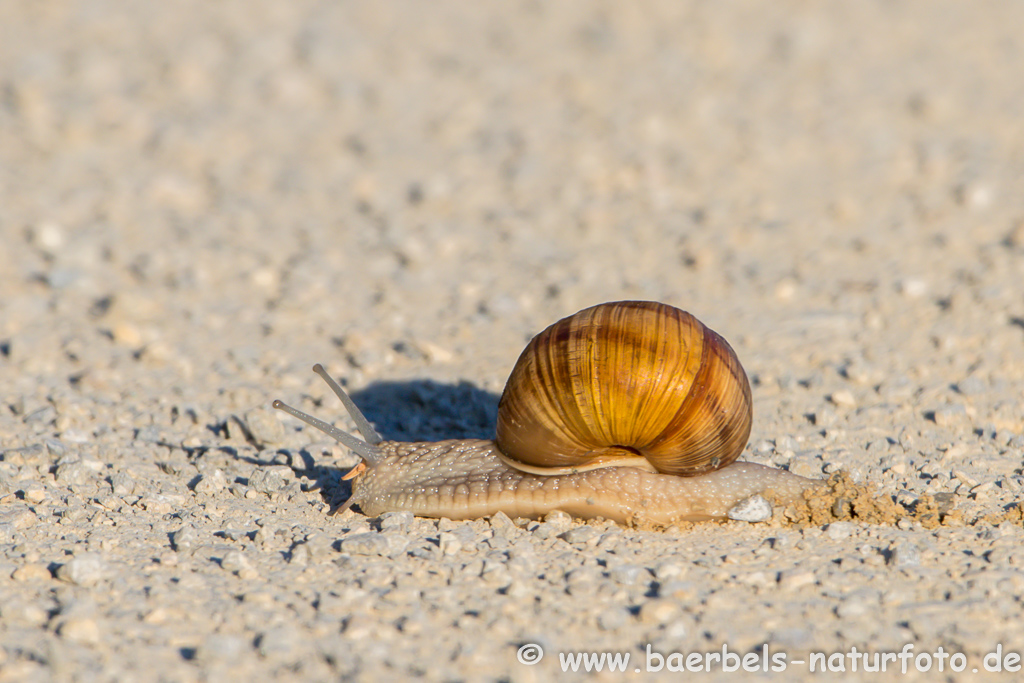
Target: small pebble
x=627 y=574
x=123 y=484
x=668 y=570
x=904 y=554
x=265 y=426
x=546 y=530
x=84 y=570
x=852 y=607
x=794 y=579
x=581 y=580
x=31 y=572
x=373 y=543
x=158 y=505
x=496 y=574
x=316 y=548
x=844 y=399
x=211 y=482
x=271 y=478
x=280 y=641
x=299 y=555
x=972 y=386
x=24 y=613
x=184 y=538
x=786 y=443
x=448 y=542
x=73 y=473
x=950 y=416
x=221 y=647
x=80 y=630
x=502 y=525
x=838 y=531
x=612 y=619
x=580 y=534
x=964 y=478
x=753 y=509
x=35 y=493
x=558 y=519
x=396 y=520
x=236 y=562
x=825 y=417
x=806 y=465
x=658 y=611
x=913 y=288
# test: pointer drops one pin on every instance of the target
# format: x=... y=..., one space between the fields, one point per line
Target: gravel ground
x=200 y=200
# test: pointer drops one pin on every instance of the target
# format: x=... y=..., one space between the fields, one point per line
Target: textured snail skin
x=464 y=479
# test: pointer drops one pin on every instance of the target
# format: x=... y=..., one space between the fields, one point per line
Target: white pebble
x=396 y=520
x=184 y=538
x=373 y=543
x=264 y=426
x=658 y=611
x=449 y=543
x=843 y=398
x=558 y=519
x=612 y=619
x=84 y=570
x=838 y=531
x=236 y=562
x=80 y=630
x=31 y=572
x=752 y=509
x=627 y=574
x=211 y=482
x=580 y=534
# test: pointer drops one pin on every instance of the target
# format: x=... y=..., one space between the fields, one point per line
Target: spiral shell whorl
x=622 y=379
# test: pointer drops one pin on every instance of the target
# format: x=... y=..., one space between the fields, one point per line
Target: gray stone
x=628 y=574
x=123 y=484
x=270 y=479
x=221 y=647
x=212 y=482
x=904 y=554
x=972 y=386
x=373 y=543
x=185 y=538
x=396 y=520
x=237 y=562
x=838 y=531
x=612 y=619
x=951 y=416
x=264 y=426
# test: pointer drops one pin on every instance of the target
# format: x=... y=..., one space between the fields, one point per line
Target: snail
x=633 y=411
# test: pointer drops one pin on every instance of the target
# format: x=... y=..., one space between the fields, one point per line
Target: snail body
x=631 y=411
x=466 y=479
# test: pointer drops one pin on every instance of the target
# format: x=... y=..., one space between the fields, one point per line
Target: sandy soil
x=200 y=200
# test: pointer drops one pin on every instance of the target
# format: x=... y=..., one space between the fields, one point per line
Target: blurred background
x=199 y=198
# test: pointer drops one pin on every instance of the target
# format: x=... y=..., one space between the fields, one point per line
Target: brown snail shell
x=628 y=383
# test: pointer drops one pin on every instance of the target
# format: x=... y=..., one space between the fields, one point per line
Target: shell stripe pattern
x=627 y=378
